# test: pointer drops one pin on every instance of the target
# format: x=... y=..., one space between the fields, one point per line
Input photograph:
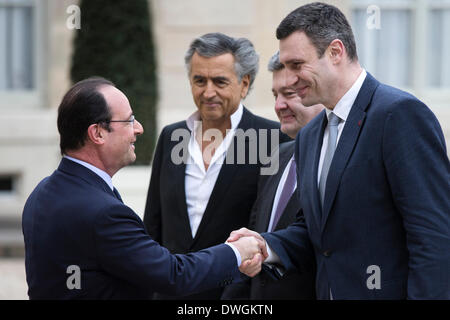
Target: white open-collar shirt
x=342 y=110
x=200 y=182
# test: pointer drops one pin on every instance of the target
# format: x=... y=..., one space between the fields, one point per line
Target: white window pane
x=385 y=52
x=3 y=37
x=16 y=48
x=439 y=44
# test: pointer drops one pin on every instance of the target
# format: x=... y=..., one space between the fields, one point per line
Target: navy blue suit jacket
x=386 y=202
x=73 y=218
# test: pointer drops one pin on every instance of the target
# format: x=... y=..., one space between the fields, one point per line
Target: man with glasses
x=81 y=240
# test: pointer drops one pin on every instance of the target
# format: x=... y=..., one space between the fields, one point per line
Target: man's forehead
x=217 y=64
x=279 y=80
x=221 y=59
x=115 y=99
x=294 y=47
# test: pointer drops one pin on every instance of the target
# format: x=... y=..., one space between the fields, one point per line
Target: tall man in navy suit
x=277 y=203
x=373 y=173
x=81 y=241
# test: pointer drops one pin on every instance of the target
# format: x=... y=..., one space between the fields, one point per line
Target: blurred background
x=46 y=45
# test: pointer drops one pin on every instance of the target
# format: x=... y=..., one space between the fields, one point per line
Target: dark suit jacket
x=229 y=206
x=386 y=202
x=294 y=284
x=73 y=218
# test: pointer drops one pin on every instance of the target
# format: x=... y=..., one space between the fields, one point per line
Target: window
x=6 y=183
x=409 y=49
x=385 y=50
x=16 y=46
x=21 y=52
x=439 y=44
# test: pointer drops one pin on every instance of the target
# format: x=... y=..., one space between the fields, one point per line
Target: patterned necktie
x=333 y=122
x=286 y=193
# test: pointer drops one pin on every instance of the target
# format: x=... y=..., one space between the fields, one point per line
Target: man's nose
x=280 y=103
x=138 y=128
x=210 y=91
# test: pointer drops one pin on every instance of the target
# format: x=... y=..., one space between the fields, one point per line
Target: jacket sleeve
x=127 y=252
x=417 y=168
x=293 y=247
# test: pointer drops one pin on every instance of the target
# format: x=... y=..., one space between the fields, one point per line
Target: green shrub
x=115 y=42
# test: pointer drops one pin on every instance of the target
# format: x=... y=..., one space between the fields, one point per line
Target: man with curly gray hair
x=197 y=202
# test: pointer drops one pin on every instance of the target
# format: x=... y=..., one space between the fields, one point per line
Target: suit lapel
x=310 y=175
x=266 y=203
x=180 y=192
x=271 y=187
x=347 y=143
x=178 y=175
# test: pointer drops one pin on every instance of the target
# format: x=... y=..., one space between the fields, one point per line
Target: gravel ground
x=13 y=284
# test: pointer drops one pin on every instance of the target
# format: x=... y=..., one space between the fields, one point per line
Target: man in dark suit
x=81 y=241
x=277 y=202
x=198 y=195
x=373 y=173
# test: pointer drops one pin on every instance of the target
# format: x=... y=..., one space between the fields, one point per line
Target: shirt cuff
x=236 y=252
x=273 y=258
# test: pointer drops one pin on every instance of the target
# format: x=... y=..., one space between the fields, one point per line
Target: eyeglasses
x=131 y=120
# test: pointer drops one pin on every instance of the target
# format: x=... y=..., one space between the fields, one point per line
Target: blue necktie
x=333 y=121
x=286 y=193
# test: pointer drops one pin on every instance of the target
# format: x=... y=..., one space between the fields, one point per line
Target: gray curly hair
x=215 y=44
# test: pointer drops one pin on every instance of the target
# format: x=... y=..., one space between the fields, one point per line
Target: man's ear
x=246 y=85
x=96 y=133
x=336 y=50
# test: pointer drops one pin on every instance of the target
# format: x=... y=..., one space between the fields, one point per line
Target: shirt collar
x=96 y=170
x=344 y=105
x=235 y=118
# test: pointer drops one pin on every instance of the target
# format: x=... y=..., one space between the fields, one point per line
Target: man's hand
x=247 y=247
x=251 y=256
x=252 y=267
x=244 y=232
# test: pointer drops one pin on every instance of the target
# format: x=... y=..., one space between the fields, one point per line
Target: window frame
x=420 y=10
x=13 y=100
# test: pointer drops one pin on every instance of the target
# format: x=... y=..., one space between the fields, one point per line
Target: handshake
x=252 y=248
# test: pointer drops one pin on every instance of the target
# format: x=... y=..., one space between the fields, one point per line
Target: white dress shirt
x=342 y=110
x=200 y=182
x=102 y=174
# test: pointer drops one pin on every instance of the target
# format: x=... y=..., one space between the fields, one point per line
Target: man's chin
x=291 y=130
x=131 y=159
x=211 y=116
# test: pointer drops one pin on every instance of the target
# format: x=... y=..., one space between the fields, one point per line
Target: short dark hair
x=80 y=107
x=216 y=44
x=322 y=23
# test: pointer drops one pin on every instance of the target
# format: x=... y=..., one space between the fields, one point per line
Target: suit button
x=327 y=253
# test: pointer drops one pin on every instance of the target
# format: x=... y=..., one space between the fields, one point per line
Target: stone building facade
x=39 y=38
